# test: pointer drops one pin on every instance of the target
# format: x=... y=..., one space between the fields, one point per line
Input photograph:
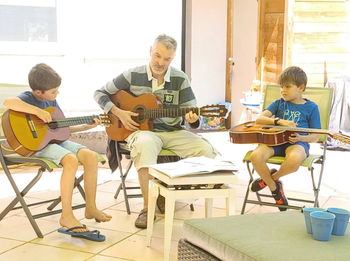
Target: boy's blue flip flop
x=93 y=235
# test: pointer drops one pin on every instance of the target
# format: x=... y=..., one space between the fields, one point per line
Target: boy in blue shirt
x=45 y=82
x=292 y=110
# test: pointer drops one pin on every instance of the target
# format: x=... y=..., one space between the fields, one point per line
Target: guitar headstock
x=105 y=120
x=341 y=137
x=217 y=110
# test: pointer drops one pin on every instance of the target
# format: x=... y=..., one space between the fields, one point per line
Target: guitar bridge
x=31 y=126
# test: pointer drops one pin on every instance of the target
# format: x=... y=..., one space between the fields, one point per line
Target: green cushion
x=263 y=237
x=46 y=163
x=166 y=153
x=279 y=159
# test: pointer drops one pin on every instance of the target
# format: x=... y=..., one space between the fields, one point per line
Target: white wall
x=207 y=49
x=245 y=26
x=206 y=45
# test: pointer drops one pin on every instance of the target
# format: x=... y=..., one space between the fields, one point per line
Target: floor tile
x=42 y=253
x=9 y=228
x=134 y=248
x=105 y=258
x=5 y=201
x=199 y=212
x=73 y=243
x=7 y=244
x=120 y=221
x=136 y=205
x=158 y=229
x=337 y=202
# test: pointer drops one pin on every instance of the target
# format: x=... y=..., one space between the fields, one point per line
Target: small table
x=264 y=237
x=252 y=110
x=164 y=185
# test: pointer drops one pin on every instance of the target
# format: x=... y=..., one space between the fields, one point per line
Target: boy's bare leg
x=259 y=158
x=295 y=155
x=143 y=180
x=89 y=160
x=70 y=166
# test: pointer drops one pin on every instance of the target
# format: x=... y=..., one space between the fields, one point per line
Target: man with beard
x=172 y=87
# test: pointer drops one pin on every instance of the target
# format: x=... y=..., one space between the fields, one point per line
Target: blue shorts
x=280 y=150
x=56 y=152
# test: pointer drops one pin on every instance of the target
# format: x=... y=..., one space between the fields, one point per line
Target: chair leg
x=122 y=179
x=250 y=172
x=19 y=197
x=246 y=197
x=22 y=193
x=317 y=188
x=191 y=207
x=77 y=185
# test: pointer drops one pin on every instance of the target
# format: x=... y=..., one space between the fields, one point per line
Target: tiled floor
x=125 y=242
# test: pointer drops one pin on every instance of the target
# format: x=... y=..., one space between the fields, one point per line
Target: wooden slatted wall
x=270 y=39
x=320 y=33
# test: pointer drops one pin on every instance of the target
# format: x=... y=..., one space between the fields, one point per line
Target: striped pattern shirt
x=177 y=92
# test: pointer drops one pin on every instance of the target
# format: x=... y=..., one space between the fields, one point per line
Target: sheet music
x=194 y=166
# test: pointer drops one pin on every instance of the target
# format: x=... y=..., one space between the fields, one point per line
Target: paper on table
x=194 y=166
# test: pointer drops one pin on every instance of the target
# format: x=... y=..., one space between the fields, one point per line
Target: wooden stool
x=164 y=185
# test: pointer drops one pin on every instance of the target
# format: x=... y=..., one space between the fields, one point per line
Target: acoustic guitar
x=26 y=133
x=149 y=107
x=250 y=132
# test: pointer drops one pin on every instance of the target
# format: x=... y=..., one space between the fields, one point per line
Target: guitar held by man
x=26 y=133
x=147 y=107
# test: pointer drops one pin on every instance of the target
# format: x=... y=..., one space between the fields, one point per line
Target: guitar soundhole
x=141 y=117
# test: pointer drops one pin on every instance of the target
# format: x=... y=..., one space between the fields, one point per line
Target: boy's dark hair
x=42 y=77
x=294 y=75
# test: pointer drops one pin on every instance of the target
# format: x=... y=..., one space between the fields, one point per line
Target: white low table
x=171 y=195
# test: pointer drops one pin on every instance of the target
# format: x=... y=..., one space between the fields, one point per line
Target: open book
x=194 y=166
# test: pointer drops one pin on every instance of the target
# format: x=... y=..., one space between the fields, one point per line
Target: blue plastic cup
x=322 y=225
x=341 y=220
x=307 y=212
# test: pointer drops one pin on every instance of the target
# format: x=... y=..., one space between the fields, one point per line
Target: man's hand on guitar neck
x=191 y=117
x=125 y=118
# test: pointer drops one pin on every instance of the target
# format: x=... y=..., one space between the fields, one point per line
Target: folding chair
x=164 y=156
x=323 y=98
x=10 y=160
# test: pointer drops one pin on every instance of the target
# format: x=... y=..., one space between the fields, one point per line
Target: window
x=29 y=23
x=87 y=42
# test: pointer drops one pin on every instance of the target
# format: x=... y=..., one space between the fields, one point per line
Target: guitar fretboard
x=72 y=121
x=305 y=130
x=338 y=136
x=168 y=112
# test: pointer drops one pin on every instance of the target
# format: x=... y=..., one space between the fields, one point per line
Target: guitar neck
x=338 y=136
x=169 y=112
x=66 y=122
x=304 y=130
